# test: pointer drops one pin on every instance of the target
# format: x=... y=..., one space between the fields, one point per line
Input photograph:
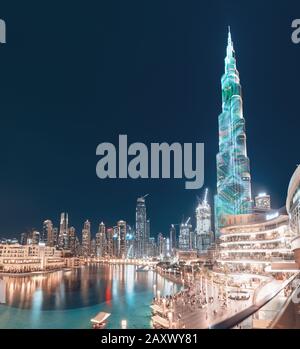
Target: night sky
x=78 y=73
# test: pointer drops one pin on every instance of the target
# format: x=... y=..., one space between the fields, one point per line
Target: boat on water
x=99 y=321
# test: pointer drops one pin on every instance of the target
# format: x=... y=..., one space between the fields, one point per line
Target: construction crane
x=187 y=221
x=205 y=195
x=143 y=197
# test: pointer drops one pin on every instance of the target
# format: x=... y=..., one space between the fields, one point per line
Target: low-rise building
x=27 y=258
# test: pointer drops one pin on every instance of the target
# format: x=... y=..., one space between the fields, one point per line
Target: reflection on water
x=118 y=289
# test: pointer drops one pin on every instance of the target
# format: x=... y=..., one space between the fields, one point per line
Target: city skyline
x=125 y=241
x=57 y=172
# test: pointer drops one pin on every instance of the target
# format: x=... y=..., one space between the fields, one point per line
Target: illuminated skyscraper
x=86 y=239
x=109 y=241
x=141 y=235
x=63 y=238
x=203 y=227
x=160 y=244
x=47 y=234
x=173 y=239
x=72 y=240
x=121 y=239
x=101 y=245
x=233 y=169
x=185 y=236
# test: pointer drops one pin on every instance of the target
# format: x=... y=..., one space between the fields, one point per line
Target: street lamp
x=170 y=317
x=124 y=324
x=164 y=305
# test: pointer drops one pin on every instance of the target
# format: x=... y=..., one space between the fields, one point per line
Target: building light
x=272 y=216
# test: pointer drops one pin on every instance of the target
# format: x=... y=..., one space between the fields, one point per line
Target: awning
x=101 y=317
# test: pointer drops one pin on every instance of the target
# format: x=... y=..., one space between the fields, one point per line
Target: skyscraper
x=233 y=168
x=122 y=239
x=203 y=225
x=63 y=237
x=101 y=244
x=47 y=233
x=72 y=240
x=147 y=238
x=185 y=236
x=109 y=241
x=86 y=238
x=141 y=235
x=35 y=237
x=93 y=248
x=160 y=244
x=173 y=239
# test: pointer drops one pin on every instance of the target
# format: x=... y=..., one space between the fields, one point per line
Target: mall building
x=293 y=209
x=257 y=243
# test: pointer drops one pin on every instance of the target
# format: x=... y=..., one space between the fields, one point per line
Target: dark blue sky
x=75 y=74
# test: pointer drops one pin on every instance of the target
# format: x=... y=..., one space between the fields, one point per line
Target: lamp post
x=170 y=317
x=164 y=305
x=124 y=324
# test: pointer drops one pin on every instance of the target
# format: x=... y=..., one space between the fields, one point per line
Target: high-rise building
x=23 y=239
x=72 y=240
x=122 y=239
x=204 y=235
x=47 y=233
x=141 y=235
x=101 y=245
x=173 y=238
x=93 y=248
x=160 y=244
x=77 y=247
x=185 y=237
x=86 y=239
x=63 y=237
x=109 y=241
x=233 y=168
x=35 y=237
x=147 y=239
x=129 y=241
x=262 y=202
x=116 y=241
x=55 y=236
x=152 y=247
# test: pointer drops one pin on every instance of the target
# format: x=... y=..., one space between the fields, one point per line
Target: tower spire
x=229 y=36
x=230 y=49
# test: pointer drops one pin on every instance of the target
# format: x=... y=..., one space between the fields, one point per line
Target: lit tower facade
x=101 y=245
x=47 y=235
x=233 y=168
x=122 y=239
x=203 y=228
x=86 y=238
x=141 y=235
x=63 y=238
